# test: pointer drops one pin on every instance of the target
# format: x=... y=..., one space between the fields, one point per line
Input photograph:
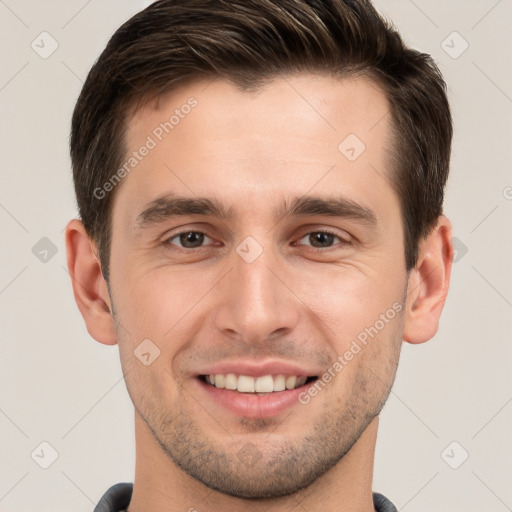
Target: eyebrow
x=170 y=205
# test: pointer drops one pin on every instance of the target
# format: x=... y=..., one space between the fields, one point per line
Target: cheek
x=349 y=300
x=152 y=304
x=152 y=389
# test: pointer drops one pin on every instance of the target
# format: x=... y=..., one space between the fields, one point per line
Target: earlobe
x=89 y=287
x=428 y=284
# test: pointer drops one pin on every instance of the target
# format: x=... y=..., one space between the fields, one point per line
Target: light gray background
x=60 y=386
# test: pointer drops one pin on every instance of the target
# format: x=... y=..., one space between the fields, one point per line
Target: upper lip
x=258 y=369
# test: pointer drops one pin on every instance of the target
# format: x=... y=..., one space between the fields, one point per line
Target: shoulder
x=382 y=504
x=116 y=499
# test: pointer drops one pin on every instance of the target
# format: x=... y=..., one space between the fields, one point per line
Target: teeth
x=245 y=384
x=290 y=382
x=260 y=385
x=264 y=384
x=231 y=381
x=279 y=383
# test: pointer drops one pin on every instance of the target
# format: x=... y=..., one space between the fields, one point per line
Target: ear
x=89 y=286
x=428 y=284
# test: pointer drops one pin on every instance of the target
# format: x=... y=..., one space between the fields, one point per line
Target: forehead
x=296 y=134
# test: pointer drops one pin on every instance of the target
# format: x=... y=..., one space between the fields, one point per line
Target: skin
x=200 y=306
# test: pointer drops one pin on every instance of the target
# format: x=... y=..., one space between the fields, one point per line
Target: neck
x=161 y=486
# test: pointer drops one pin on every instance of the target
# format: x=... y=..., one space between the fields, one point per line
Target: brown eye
x=322 y=239
x=188 y=239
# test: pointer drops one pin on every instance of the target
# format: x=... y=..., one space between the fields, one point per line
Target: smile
x=251 y=397
x=261 y=385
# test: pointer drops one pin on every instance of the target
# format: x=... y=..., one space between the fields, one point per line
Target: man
x=260 y=185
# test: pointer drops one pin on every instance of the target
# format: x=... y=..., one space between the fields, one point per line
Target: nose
x=255 y=303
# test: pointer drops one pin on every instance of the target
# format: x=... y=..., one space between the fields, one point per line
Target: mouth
x=264 y=396
x=256 y=388
x=260 y=386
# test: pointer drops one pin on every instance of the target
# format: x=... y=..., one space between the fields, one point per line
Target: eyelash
x=343 y=242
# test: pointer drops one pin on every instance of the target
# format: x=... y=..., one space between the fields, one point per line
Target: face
x=289 y=263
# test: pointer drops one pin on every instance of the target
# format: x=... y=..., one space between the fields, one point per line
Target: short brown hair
x=249 y=42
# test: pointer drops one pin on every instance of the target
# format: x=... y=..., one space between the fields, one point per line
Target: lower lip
x=252 y=405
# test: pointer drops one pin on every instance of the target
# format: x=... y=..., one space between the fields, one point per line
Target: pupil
x=191 y=239
x=321 y=237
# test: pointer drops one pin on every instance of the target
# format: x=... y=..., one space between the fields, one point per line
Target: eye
x=322 y=239
x=188 y=239
x=318 y=240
